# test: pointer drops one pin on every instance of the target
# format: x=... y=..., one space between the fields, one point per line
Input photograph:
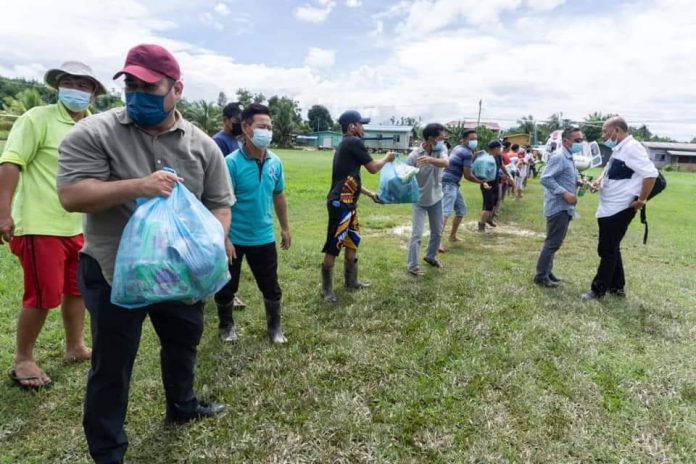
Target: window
x=397 y=138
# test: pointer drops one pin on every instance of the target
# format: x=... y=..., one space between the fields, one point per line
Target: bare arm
x=9 y=177
x=374 y=167
x=93 y=195
x=281 y=209
x=224 y=215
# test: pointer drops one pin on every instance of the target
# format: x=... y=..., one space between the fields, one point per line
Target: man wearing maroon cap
x=105 y=164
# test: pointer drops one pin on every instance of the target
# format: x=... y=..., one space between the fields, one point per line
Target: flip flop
x=12 y=374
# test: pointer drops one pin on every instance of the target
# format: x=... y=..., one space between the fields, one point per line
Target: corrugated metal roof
x=670 y=146
x=681 y=153
x=378 y=128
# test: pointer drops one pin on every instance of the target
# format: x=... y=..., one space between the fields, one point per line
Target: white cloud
x=320 y=58
x=314 y=14
x=632 y=61
x=222 y=9
x=353 y=3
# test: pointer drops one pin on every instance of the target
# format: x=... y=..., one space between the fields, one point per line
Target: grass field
x=470 y=364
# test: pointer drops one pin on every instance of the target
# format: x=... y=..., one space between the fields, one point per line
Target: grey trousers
x=556 y=228
x=434 y=213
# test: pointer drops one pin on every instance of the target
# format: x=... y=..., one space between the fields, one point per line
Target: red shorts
x=50 y=268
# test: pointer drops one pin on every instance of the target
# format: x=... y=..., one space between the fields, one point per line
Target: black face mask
x=237 y=129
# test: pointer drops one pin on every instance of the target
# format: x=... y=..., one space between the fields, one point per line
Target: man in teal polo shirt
x=258 y=182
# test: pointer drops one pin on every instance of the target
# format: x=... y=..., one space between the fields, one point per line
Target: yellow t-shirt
x=33 y=146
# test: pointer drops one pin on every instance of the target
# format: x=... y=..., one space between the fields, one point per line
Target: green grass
x=471 y=364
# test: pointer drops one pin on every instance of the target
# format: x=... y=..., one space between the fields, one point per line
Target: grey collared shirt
x=109 y=146
x=560 y=175
x=428 y=177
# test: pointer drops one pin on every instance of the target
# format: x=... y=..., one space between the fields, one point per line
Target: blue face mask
x=611 y=143
x=262 y=138
x=473 y=144
x=146 y=109
x=576 y=147
x=439 y=146
x=75 y=100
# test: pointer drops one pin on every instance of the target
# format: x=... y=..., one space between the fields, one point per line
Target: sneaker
x=548 y=283
x=416 y=272
x=619 y=292
x=433 y=262
x=589 y=296
x=238 y=303
x=201 y=411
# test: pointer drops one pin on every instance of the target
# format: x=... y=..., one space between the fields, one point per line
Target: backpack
x=660 y=185
x=484 y=167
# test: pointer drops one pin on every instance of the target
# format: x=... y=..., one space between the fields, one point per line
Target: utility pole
x=478 y=121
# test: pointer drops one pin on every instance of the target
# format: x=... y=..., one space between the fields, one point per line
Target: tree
x=23 y=101
x=525 y=125
x=284 y=112
x=107 y=101
x=246 y=98
x=222 y=99
x=592 y=125
x=206 y=115
x=641 y=133
x=319 y=118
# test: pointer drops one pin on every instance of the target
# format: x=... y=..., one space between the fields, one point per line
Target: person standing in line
x=46 y=238
x=107 y=162
x=431 y=159
x=258 y=183
x=343 y=229
x=460 y=160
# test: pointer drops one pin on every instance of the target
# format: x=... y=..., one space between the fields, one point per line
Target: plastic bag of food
x=172 y=249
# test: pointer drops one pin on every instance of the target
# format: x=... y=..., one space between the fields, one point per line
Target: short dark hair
x=514 y=147
x=232 y=110
x=252 y=110
x=494 y=144
x=466 y=132
x=432 y=130
x=565 y=135
x=506 y=144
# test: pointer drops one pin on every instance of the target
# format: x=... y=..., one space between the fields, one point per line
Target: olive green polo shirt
x=109 y=147
x=33 y=146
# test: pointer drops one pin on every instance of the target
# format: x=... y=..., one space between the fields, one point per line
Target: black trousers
x=115 y=339
x=610 y=273
x=263 y=261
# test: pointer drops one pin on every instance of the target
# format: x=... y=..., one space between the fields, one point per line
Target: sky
x=434 y=59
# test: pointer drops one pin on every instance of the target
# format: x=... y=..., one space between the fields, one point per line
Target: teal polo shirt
x=254 y=185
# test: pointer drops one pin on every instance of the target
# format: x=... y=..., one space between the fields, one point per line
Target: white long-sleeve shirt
x=623 y=176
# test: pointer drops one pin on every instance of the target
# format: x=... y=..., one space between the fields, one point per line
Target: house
x=323 y=140
x=519 y=139
x=382 y=138
x=493 y=126
x=681 y=156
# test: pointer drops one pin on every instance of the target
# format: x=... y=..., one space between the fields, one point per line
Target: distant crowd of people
x=69 y=182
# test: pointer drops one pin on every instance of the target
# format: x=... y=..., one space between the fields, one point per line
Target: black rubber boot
x=226 y=329
x=275 y=332
x=327 y=285
x=350 y=270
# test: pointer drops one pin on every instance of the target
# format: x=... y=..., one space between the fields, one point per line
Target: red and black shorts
x=50 y=268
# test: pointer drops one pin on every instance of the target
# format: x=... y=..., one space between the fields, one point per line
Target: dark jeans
x=556 y=229
x=610 y=273
x=263 y=261
x=115 y=339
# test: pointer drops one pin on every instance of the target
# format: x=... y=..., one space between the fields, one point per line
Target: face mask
x=262 y=138
x=576 y=147
x=473 y=144
x=237 y=129
x=439 y=146
x=75 y=100
x=611 y=143
x=145 y=109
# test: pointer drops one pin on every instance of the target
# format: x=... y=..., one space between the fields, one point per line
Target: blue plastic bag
x=397 y=189
x=172 y=249
x=484 y=167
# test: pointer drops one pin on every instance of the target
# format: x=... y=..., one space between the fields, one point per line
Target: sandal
x=12 y=374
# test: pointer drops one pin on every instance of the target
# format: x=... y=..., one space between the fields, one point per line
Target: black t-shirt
x=350 y=155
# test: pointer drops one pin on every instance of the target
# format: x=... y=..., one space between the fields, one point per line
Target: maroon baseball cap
x=150 y=63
